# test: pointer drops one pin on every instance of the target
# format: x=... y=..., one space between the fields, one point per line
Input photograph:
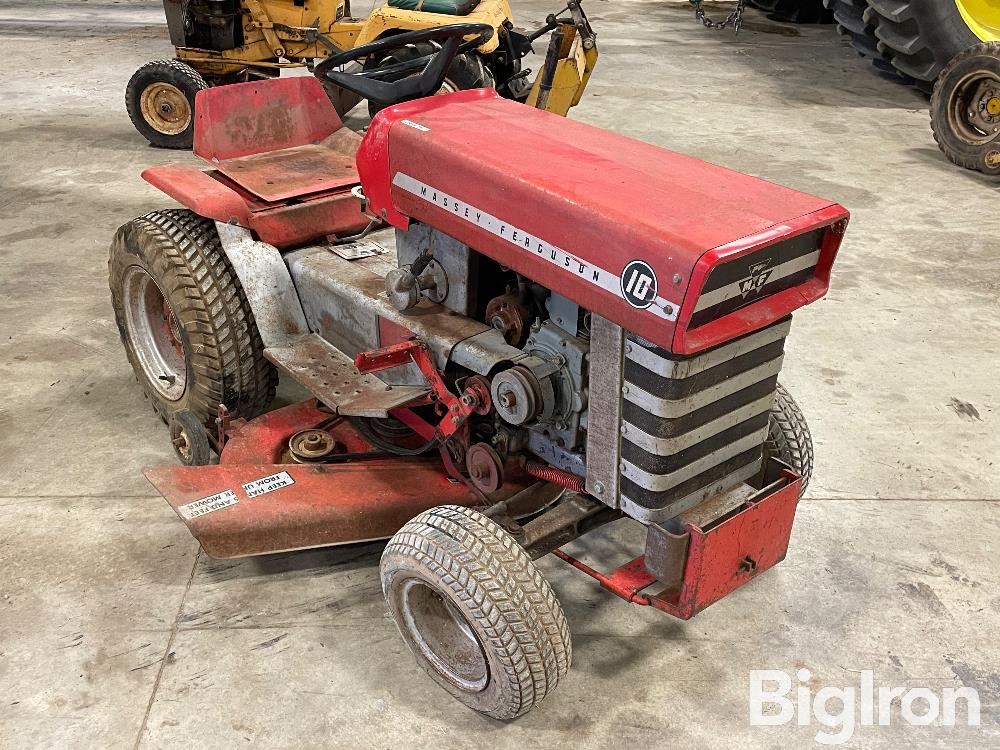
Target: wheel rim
x=182 y=444
x=166 y=108
x=974 y=108
x=443 y=636
x=981 y=17
x=154 y=334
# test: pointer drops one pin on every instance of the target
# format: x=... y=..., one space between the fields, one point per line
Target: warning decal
x=209 y=504
x=270 y=483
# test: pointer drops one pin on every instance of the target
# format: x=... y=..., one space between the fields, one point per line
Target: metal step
x=330 y=375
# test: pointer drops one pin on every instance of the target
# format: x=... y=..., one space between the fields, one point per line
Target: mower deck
x=257 y=500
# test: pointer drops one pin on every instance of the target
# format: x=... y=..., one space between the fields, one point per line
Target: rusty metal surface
x=563 y=523
x=256 y=502
x=261 y=116
x=291 y=172
x=315 y=505
x=267 y=284
x=330 y=375
x=334 y=290
x=607 y=342
x=723 y=555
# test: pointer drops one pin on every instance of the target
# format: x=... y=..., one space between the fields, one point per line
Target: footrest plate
x=330 y=375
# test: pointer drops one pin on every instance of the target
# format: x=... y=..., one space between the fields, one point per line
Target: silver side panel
x=267 y=284
x=605 y=407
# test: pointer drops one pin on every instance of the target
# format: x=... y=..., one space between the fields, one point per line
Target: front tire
x=466 y=72
x=159 y=100
x=965 y=109
x=788 y=437
x=184 y=319
x=477 y=614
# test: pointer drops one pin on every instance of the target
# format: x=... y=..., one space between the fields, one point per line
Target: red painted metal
x=603 y=199
x=721 y=557
x=269 y=137
x=200 y=192
x=456 y=411
x=212 y=195
x=771 y=307
x=261 y=116
x=326 y=504
x=284 y=166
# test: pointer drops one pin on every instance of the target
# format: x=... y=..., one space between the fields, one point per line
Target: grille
x=751 y=277
x=693 y=426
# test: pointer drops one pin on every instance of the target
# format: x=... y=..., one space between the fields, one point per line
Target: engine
x=205 y=24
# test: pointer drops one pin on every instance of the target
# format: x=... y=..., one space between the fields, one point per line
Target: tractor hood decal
x=624 y=287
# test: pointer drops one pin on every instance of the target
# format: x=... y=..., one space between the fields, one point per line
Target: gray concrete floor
x=116 y=633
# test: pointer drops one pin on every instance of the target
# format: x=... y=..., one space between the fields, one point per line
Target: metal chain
x=734 y=19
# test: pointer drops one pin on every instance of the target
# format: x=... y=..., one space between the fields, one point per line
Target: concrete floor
x=116 y=633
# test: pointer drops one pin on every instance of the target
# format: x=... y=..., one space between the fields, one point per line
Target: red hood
x=586 y=212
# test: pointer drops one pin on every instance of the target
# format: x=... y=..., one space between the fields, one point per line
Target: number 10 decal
x=638 y=282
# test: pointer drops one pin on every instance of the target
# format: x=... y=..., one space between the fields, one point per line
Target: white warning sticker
x=209 y=504
x=270 y=483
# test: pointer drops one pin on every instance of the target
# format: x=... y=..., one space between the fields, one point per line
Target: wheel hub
x=165 y=108
x=974 y=108
x=443 y=636
x=154 y=334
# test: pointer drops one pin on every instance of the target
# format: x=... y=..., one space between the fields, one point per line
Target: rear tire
x=922 y=36
x=856 y=22
x=184 y=320
x=969 y=84
x=477 y=614
x=788 y=437
x=466 y=72
x=159 y=99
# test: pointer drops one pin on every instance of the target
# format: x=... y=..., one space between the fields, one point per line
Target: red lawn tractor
x=572 y=327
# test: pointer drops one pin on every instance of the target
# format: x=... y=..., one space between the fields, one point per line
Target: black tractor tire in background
x=467 y=71
x=184 y=319
x=854 y=20
x=921 y=36
x=475 y=611
x=795 y=11
x=159 y=99
x=972 y=141
x=788 y=437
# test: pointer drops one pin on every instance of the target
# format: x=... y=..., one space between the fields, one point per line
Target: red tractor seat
x=284 y=163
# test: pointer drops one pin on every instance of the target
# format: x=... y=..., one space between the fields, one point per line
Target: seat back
x=251 y=118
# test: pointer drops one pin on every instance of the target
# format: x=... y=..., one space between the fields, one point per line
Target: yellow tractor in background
x=218 y=42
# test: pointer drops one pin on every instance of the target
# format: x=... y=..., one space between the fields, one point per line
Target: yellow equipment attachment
x=569 y=61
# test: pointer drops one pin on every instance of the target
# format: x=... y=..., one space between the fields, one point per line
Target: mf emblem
x=639 y=284
x=759 y=274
